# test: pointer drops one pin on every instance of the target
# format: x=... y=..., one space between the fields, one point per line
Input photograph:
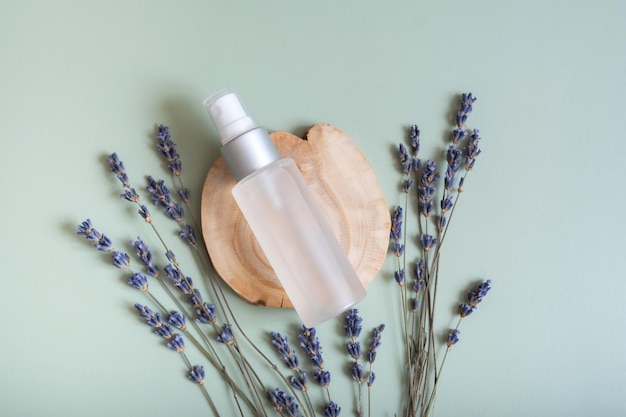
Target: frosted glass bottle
x=284 y=216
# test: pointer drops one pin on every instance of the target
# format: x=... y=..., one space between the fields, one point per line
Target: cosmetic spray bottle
x=284 y=216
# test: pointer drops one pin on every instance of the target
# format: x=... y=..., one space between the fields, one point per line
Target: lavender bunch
x=435 y=201
x=206 y=316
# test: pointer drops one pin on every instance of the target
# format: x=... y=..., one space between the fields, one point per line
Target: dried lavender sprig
x=100 y=240
x=289 y=356
x=144 y=254
x=117 y=166
x=352 y=323
x=167 y=149
x=310 y=343
x=375 y=344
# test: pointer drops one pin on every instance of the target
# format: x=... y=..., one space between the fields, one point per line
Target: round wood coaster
x=347 y=190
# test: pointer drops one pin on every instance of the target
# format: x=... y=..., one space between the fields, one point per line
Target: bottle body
x=298 y=242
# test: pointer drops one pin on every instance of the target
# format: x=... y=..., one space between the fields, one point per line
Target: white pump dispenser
x=284 y=216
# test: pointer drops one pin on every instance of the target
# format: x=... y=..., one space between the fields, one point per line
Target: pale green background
x=543 y=216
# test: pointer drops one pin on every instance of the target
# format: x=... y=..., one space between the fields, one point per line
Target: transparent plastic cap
x=230 y=117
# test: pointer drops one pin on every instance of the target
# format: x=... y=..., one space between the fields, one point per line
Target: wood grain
x=347 y=190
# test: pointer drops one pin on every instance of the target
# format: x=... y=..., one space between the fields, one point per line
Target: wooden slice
x=347 y=190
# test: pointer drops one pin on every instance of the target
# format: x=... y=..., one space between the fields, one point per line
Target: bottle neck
x=249 y=152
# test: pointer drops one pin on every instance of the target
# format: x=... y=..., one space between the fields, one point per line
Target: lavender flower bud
x=354 y=350
x=453 y=337
x=332 y=410
x=177 y=343
x=121 y=260
x=428 y=241
x=371 y=379
x=226 y=336
x=130 y=195
x=177 y=320
x=117 y=167
x=196 y=374
x=357 y=372
x=164 y=331
x=299 y=382
x=466 y=309
x=139 y=282
x=399 y=276
x=352 y=324
x=322 y=377
x=311 y=345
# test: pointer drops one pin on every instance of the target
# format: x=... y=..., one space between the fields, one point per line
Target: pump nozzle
x=230 y=117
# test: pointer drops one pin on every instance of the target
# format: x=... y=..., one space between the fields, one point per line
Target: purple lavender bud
x=284 y=404
x=130 y=195
x=354 y=350
x=154 y=319
x=466 y=309
x=352 y=324
x=420 y=269
x=177 y=343
x=121 y=260
x=403 y=155
x=376 y=342
x=458 y=135
x=175 y=167
x=299 y=382
x=117 y=167
x=357 y=372
x=144 y=311
x=416 y=164
x=175 y=211
x=144 y=254
x=441 y=222
x=311 y=345
x=397 y=249
x=164 y=331
x=281 y=344
x=104 y=244
x=322 y=377
x=447 y=203
x=196 y=374
x=371 y=379
x=472 y=151
x=453 y=337
x=476 y=296
x=399 y=276
x=208 y=314
x=414 y=304
x=86 y=229
x=428 y=241
x=195 y=299
x=159 y=192
x=145 y=213
x=396 y=224
x=185 y=195
x=226 y=336
x=332 y=410
x=414 y=137
x=407 y=185
x=177 y=320
x=138 y=281
x=188 y=234
x=429 y=174
x=165 y=146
